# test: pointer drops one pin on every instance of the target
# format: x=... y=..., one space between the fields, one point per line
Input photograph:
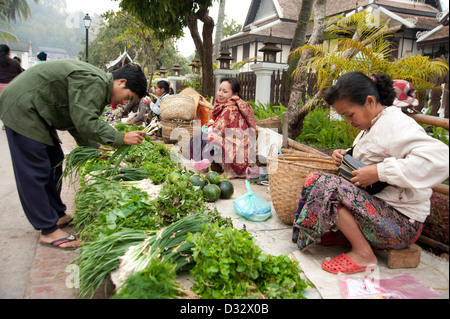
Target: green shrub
x=321 y=131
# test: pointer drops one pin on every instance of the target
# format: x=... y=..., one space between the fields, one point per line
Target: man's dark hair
x=136 y=80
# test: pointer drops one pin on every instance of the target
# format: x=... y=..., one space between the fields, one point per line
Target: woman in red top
x=9 y=68
x=231 y=136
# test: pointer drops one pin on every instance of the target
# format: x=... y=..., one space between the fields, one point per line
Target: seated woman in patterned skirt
x=396 y=150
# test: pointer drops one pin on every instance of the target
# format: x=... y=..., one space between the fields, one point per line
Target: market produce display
x=212 y=185
x=141 y=217
x=228 y=264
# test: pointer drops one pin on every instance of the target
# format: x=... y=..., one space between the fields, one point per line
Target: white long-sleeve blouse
x=407 y=158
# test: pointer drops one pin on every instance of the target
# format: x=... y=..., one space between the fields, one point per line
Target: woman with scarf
x=232 y=134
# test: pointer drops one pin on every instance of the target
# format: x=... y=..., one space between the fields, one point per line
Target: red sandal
x=342 y=264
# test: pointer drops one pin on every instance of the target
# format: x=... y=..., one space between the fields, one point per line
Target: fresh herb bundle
x=105 y=207
x=122 y=152
x=157 y=281
x=228 y=264
x=179 y=199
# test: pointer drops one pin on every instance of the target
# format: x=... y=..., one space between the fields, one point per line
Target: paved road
x=18 y=239
x=27 y=269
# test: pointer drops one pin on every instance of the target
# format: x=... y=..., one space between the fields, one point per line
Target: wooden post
x=431 y=120
x=285 y=129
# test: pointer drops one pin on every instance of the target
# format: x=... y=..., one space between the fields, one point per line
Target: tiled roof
x=427 y=23
x=424 y=8
x=423 y=16
x=290 y=8
x=439 y=34
x=19 y=46
x=335 y=7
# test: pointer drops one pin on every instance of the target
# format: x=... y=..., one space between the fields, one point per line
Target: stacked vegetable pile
x=213 y=186
x=136 y=212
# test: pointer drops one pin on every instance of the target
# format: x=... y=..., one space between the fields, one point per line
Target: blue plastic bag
x=252 y=206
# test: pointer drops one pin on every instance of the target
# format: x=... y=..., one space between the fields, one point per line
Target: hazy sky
x=234 y=9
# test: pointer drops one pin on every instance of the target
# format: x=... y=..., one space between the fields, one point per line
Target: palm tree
x=11 y=10
x=360 y=43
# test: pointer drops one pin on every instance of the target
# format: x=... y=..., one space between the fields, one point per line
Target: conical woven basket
x=177 y=107
x=287 y=175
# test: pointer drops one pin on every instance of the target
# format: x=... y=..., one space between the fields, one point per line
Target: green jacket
x=65 y=95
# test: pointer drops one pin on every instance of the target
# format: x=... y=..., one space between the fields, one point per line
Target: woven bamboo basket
x=178 y=128
x=177 y=107
x=287 y=176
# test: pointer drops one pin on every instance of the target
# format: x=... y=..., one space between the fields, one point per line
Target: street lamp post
x=87 y=24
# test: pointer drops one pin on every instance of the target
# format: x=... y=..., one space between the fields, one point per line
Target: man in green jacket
x=65 y=95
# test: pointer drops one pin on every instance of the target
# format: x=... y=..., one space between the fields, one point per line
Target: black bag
x=350 y=164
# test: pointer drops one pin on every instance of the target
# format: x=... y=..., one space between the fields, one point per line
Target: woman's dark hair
x=4 y=51
x=165 y=86
x=235 y=84
x=356 y=86
x=136 y=80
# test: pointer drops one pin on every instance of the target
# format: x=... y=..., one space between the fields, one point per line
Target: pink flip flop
x=342 y=264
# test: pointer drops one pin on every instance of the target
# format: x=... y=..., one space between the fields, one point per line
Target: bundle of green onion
x=168 y=244
x=97 y=259
x=77 y=159
x=118 y=156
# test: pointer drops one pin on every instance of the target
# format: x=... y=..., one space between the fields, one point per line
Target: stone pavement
x=27 y=269
x=51 y=275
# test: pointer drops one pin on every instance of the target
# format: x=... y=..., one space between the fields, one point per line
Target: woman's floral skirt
x=322 y=197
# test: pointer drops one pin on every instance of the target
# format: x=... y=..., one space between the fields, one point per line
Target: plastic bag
x=201 y=165
x=403 y=286
x=252 y=206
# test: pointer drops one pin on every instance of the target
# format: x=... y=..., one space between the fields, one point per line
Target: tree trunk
x=204 y=46
x=296 y=112
x=302 y=24
x=299 y=38
x=219 y=27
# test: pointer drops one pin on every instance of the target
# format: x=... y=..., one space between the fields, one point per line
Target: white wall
x=23 y=56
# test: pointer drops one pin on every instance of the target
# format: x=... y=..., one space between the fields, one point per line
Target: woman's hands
x=134 y=137
x=337 y=156
x=364 y=176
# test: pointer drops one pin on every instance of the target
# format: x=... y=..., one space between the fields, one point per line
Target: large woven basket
x=287 y=176
x=172 y=130
x=177 y=107
x=273 y=123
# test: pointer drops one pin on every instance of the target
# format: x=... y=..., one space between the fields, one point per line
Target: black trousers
x=37 y=172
